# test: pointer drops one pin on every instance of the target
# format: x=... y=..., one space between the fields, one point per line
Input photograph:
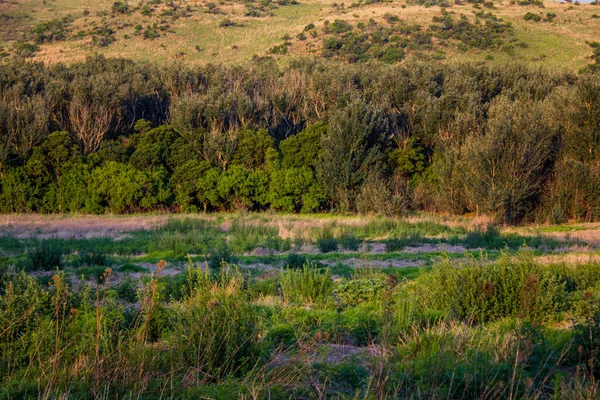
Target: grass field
x=196 y=31
x=290 y=306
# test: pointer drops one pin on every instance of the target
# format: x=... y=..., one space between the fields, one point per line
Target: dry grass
x=561 y=45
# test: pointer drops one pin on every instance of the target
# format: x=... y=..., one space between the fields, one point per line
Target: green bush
x=485 y=291
x=349 y=242
x=327 y=244
x=90 y=258
x=215 y=327
x=127 y=290
x=44 y=257
x=295 y=261
x=306 y=286
x=359 y=291
x=218 y=256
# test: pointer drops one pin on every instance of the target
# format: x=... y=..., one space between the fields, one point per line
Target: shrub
x=359 y=291
x=397 y=244
x=220 y=255
x=490 y=238
x=483 y=291
x=532 y=17
x=295 y=261
x=90 y=257
x=306 y=286
x=349 y=242
x=227 y=22
x=327 y=244
x=215 y=329
x=127 y=290
x=45 y=257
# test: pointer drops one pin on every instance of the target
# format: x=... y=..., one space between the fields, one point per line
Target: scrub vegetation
x=251 y=306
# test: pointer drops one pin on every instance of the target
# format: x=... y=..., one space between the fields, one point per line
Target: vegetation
x=501 y=323
x=513 y=143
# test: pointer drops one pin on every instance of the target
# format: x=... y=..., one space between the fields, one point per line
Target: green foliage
x=306 y=286
x=215 y=326
x=295 y=261
x=44 y=257
x=359 y=291
x=509 y=287
x=327 y=244
x=349 y=242
x=90 y=258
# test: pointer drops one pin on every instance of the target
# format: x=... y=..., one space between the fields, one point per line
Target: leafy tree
x=251 y=149
x=503 y=171
x=302 y=150
x=18 y=192
x=352 y=148
x=293 y=190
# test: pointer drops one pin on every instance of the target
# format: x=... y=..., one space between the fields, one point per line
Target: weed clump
x=45 y=257
x=327 y=244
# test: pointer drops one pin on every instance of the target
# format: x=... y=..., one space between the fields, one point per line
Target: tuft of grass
x=306 y=286
x=44 y=257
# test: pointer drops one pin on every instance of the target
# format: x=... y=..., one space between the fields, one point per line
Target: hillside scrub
x=116 y=136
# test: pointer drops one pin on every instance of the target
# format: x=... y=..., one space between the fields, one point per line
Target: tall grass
x=507 y=328
x=306 y=286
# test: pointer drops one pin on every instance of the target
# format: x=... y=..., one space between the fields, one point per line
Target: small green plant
x=295 y=261
x=532 y=17
x=327 y=244
x=349 y=242
x=90 y=257
x=394 y=244
x=359 y=291
x=127 y=290
x=306 y=286
x=221 y=254
x=45 y=257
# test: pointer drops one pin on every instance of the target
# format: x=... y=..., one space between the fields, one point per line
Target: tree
x=350 y=150
x=302 y=150
x=504 y=169
x=251 y=148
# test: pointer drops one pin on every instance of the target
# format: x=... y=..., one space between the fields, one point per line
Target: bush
x=306 y=286
x=127 y=290
x=350 y=242
x=327 y=244
x=482 y=291
x=490 y=238
x=359 y=291
x=394 y=244
x=220 y=255
x=532 y=17
x=215 y=329
x=90 y=257
x=295 y=261
x=45 y=257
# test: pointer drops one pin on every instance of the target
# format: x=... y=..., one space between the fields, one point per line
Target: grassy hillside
x=233 y=32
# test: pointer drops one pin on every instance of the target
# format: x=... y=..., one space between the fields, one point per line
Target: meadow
x=269 y=306
x=547 y=34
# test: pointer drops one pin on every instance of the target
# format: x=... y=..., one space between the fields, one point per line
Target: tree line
x=114 y=135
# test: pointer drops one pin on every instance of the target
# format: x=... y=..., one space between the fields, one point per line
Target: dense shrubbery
x=116 y=136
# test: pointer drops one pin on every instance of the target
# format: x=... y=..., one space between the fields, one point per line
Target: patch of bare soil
x=356 y=263
x=78 y=227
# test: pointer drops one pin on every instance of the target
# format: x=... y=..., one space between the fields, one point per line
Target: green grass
x=241 y=329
